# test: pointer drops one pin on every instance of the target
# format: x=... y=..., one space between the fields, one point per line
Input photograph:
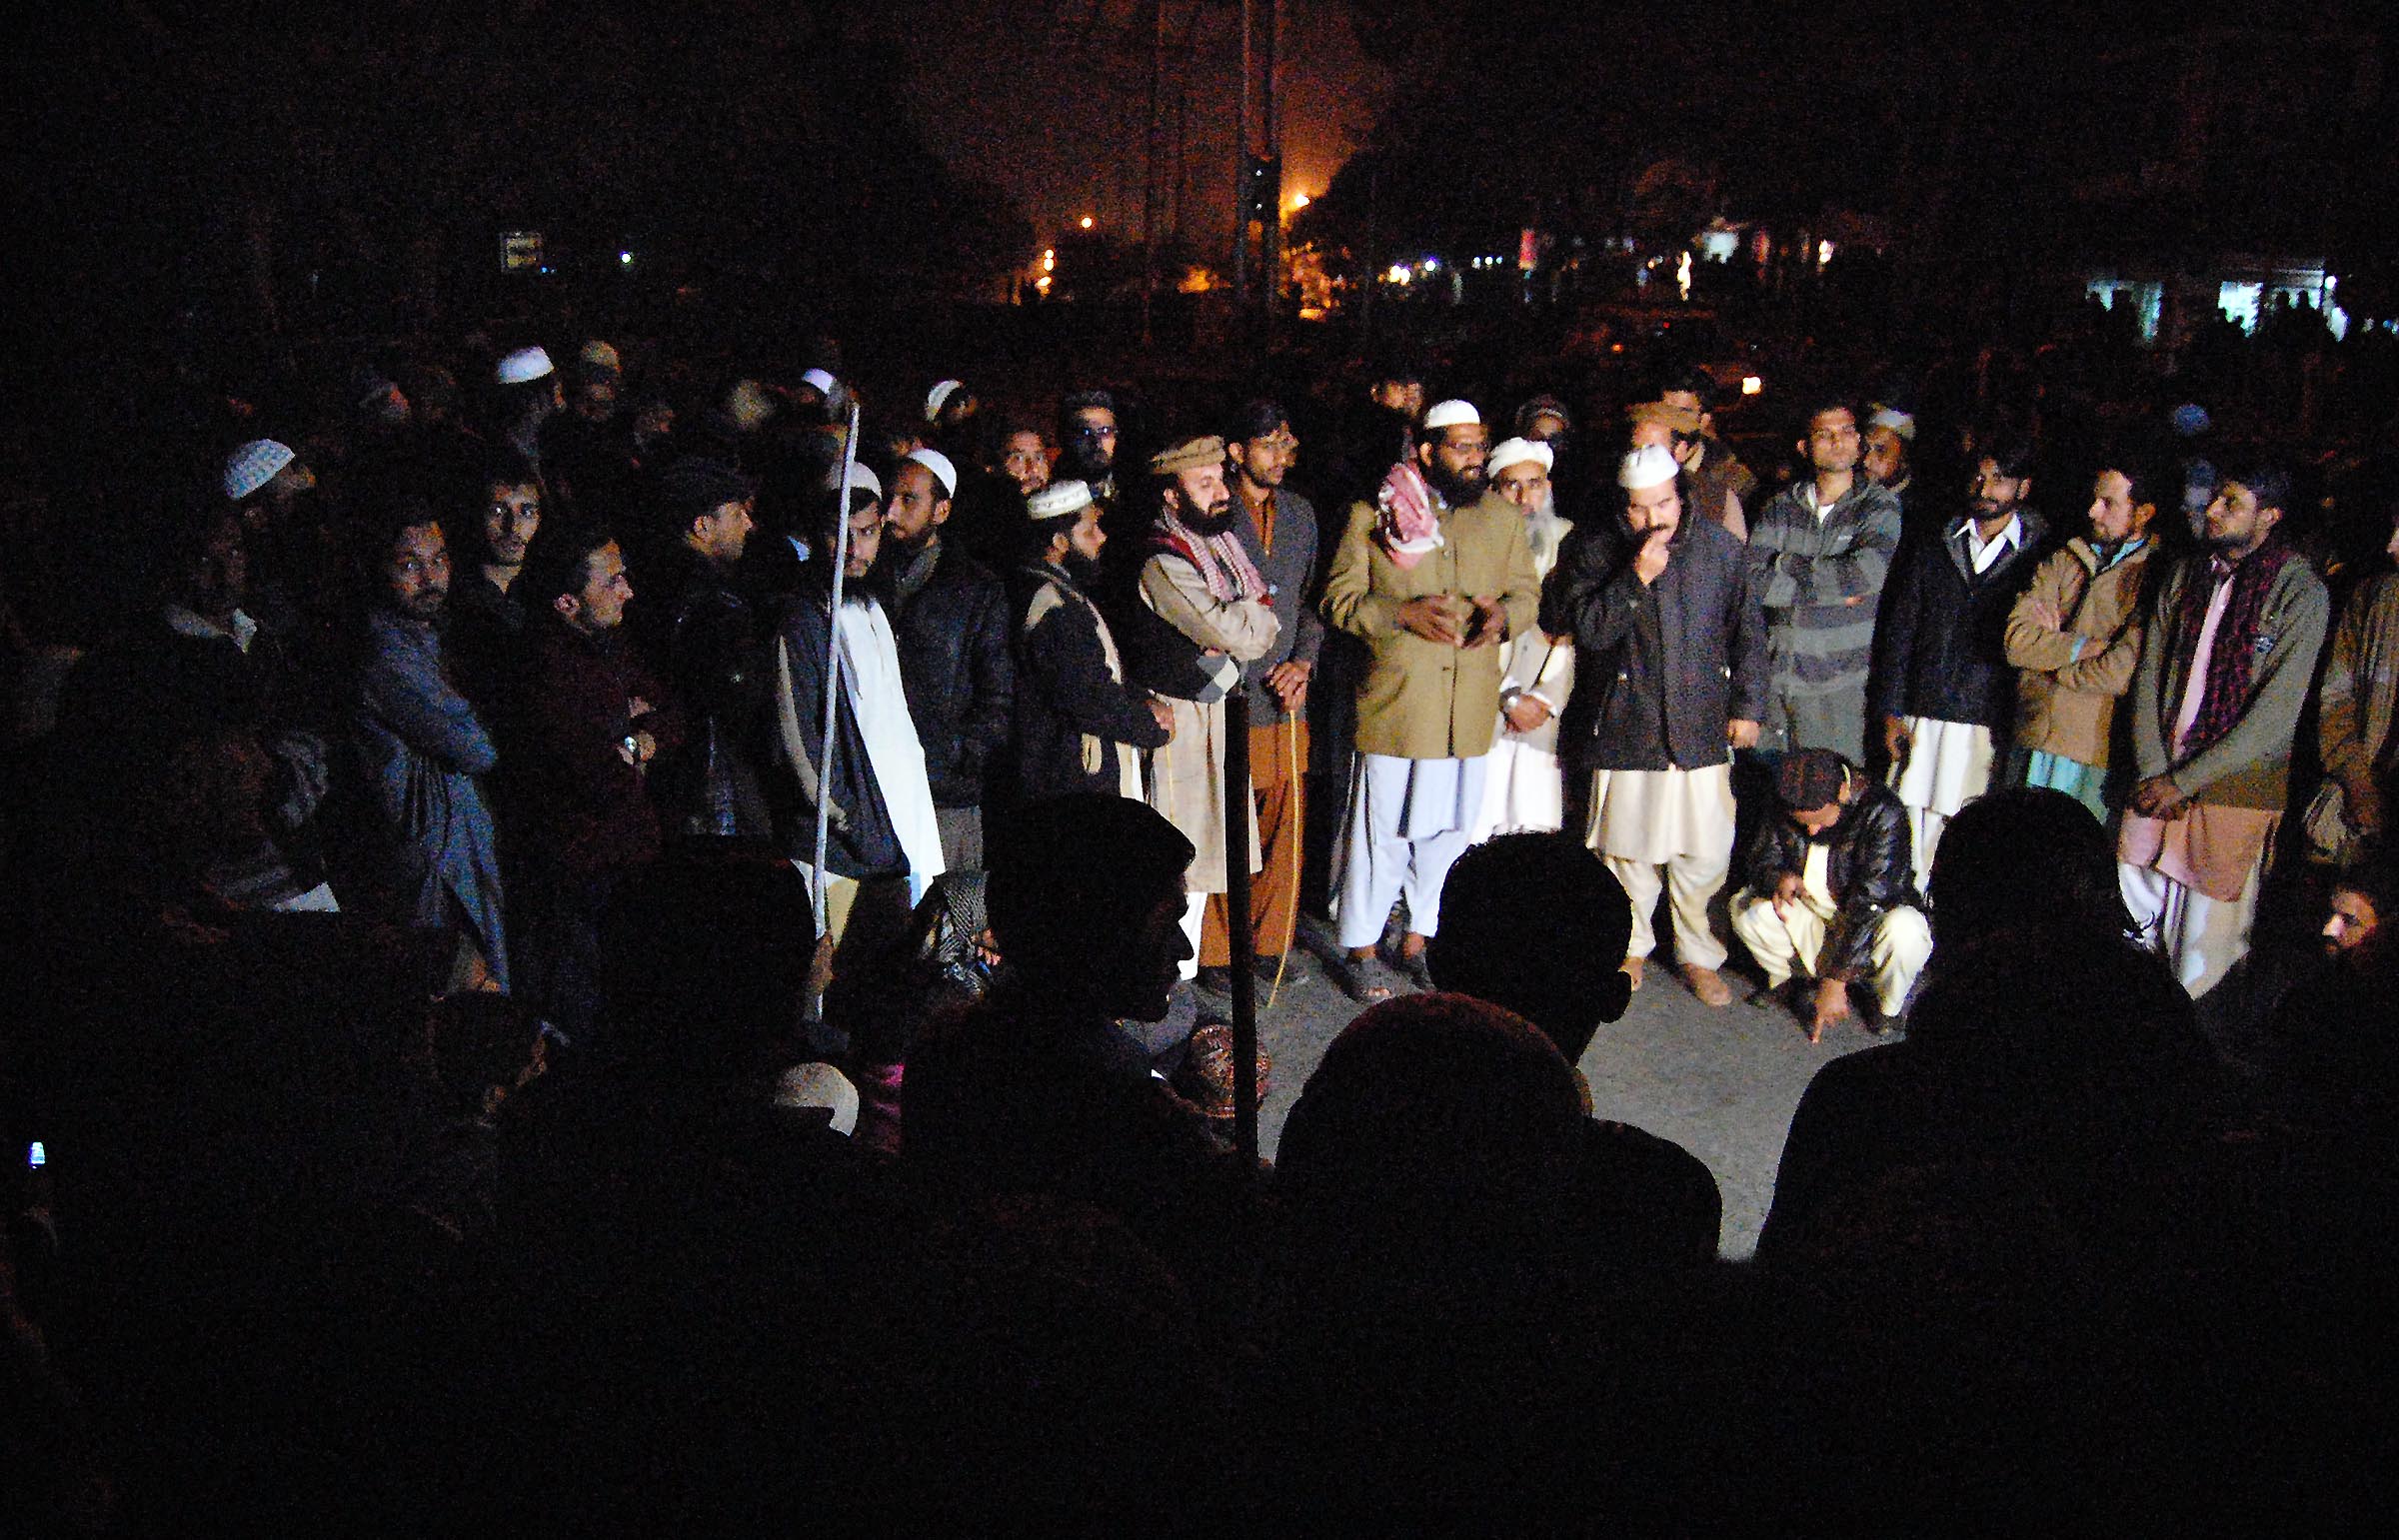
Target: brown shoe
x=1205 y=1078
x=1709 y=985
x=1632 y=969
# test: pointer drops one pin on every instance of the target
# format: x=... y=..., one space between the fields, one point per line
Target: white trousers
x=1195 y=906
x=2200 y=938
x=1691 y=882
x=1409 y=821
x=1793 y=939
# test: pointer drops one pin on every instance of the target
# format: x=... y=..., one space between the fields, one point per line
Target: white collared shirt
x=1981 y=553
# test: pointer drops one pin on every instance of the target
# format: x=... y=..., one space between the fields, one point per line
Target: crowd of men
x=572 y=712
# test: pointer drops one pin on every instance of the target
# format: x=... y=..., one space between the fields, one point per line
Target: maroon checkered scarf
x=1222 y=565
x=2232 y=660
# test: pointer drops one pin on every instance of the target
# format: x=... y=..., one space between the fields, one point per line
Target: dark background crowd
x=411 y=991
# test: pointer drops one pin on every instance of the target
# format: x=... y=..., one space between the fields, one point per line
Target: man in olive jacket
x=1433 y=577
x=1670 y=673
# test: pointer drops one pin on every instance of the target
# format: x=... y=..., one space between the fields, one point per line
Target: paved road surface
x=1722 y=1083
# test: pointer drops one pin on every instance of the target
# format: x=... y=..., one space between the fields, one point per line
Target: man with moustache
x=1675 y=678
x=1434 y=576
x=2216 y=702
x=1205 y=614
x=1945 y=695
x=1677 y=429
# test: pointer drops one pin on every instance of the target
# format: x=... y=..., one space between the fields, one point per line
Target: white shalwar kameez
x=1410 y=820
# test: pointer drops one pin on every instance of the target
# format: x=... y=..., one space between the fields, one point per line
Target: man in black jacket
x=705 y=640
x=1670 y=675
x=1829 y=890
x=1078 y=724
x=950 y=616
x=1943 y=693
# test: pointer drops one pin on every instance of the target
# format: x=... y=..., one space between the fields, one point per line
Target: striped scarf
x=2234 y=655
x=1222 y=563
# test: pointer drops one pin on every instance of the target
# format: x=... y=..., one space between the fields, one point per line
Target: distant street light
x=625 y=258
x=1086 y=221
x=1300 y=200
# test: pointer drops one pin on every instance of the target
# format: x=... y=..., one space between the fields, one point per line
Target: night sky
x=1049 y=102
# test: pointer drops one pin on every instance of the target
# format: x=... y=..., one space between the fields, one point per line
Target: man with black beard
x=1434 y=576
x=1078 y=724
x=1205 y=613
x=884 y=847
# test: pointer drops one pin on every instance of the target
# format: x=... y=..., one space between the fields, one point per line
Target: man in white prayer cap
x=949 y=616
x=1522 y=787
x=525 y=392
x=1434 y=574
x=1672 y=664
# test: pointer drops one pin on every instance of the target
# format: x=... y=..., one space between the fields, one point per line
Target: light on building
x=1432 y=264
x=1751 y=384
x=1682 y=275
x=1042 y=283
x=1300 y=200
x=1050 y=260
x=1086 y=221
x=1401 y=273
x=1823 y=252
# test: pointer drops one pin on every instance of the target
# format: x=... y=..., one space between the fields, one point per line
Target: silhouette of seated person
x=1527 y=923
x=1434 y=1272
x=2050 y=1065
x=1041 y=1087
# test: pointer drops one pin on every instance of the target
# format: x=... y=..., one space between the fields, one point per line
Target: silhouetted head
x=1537 y=925
x=1086 y=899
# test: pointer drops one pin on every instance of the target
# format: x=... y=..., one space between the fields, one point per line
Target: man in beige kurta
x=1435 y=577
x=1209 y=612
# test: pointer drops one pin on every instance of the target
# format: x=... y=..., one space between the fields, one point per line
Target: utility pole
x=1156 y=170
x=1241 y=169
x=1273 y=256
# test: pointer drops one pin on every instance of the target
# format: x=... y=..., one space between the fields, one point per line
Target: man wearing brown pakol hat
x=1715 y=495
x=1204 y=612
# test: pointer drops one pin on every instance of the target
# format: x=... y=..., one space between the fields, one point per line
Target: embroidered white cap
x=1057 y=499
x=938 y=393
x=253 y=466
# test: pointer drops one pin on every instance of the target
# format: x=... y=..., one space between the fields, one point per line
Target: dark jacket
x=1658 y=669
x=483 y=640
x=1290 y=573
x=952 y=627
x=1872 y=869
x=1070 y=693
x=1940 y=636
x=706 y=641
x=584 y=810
